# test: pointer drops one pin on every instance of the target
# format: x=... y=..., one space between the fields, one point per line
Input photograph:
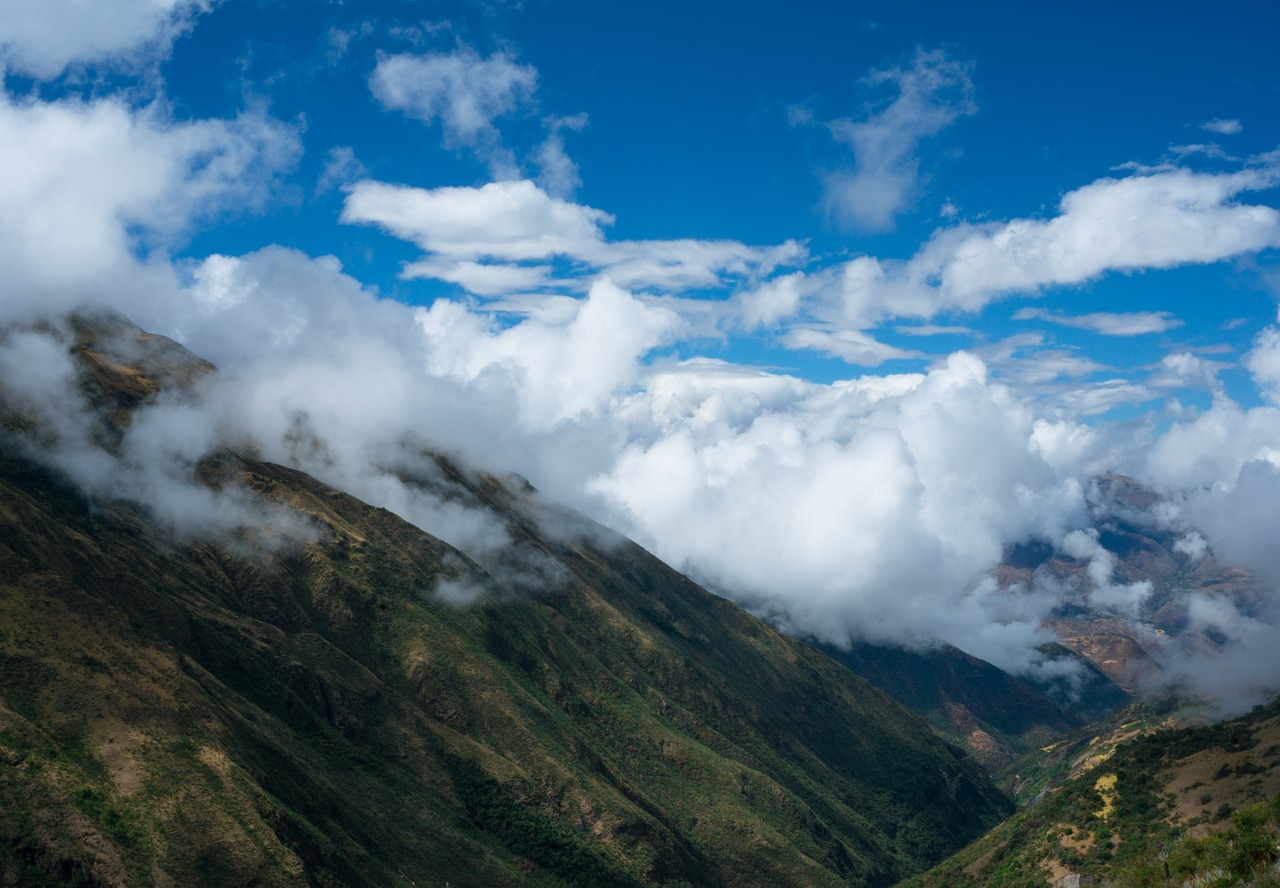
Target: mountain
x=1130 y=644
x=1176 y=806
x=996 y=716
x=330 y=695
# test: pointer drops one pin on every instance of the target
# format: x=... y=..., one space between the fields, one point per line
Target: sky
x=825 y=304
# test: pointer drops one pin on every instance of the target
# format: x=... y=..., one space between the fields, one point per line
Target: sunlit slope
x=194 y=712
x=1175 y=806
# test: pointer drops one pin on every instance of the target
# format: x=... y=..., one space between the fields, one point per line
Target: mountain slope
x=1176 y=806
x=995 y=716
x=247 y=711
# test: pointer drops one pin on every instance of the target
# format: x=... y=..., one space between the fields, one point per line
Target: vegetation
x=237 y=711
x=992 y=714
x=1179 y=806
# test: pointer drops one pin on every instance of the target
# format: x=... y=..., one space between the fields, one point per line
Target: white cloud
x=341 y=169
x=563 y=370
x=934 y=330
x=1122 y=598
x=889 y=497
x=465 y=92
x=1099 y=397
x=511 y=221
x=1159 y=220
x=557 y=173
x=850 y=346
x=772 y=301
x=85 y=187
x=471 y=232
x=1263 y=363
x=1183 y=369
x=1132 y=323
x=1193 y=545
x=931 y=95
x=43 y=37
x=1223 y=127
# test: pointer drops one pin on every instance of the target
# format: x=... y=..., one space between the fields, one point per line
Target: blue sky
x=824 y=303
x=712 y=126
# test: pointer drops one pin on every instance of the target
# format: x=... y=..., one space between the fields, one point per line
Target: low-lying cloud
x=871 y=507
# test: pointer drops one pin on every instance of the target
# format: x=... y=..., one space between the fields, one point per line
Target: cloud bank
x=870 y=506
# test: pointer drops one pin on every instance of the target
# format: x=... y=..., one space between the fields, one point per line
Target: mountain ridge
x=315 y=712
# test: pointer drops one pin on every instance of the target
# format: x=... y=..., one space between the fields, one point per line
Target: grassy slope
x=1194 y=798
x=189 y=714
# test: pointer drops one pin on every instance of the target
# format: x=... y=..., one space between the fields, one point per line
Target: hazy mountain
x=242 y=675
x=1140 y=598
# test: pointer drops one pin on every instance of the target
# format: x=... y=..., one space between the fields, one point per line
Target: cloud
x=485 y=237
x=510 y=221
x=1148 y=221
x=87 y=187
x=43 y=37
x=884 y=180
x=563 y=370
x=1124 y=598
x=1263 y=363
x=890 y=496
x=1185 y=370
x=341 y=169
x=464 y=92
x=850 y=346
x=934 y=330
x=558 y=174
x=1223 y=127
x=150 y=463
x=1133 y=323
x=1026 y=360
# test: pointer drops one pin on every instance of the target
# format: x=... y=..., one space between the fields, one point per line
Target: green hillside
x=190 y=712
x=1176 y=806
x=992 y=714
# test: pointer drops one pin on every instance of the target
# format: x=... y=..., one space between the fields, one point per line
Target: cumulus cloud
x=1131 y=323
x=89 y=187
x=464 y=92
x=846 y=510
x=884 y=179
x=1263 y=363
x=43 y=37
